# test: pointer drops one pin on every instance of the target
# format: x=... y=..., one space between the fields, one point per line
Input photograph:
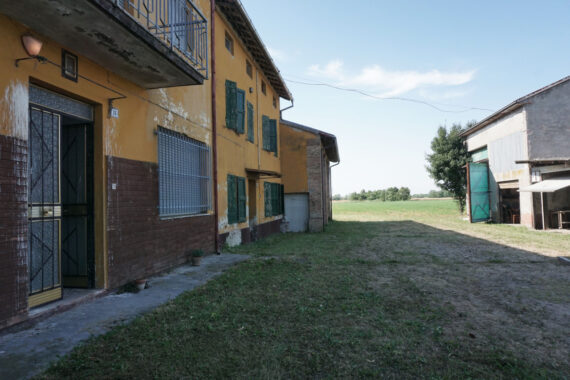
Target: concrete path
x=26 y=353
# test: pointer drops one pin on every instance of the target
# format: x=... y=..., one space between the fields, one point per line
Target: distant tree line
x=388 y=195
x=434 y=194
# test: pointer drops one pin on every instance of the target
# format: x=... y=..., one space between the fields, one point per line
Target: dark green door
x=479 y=191
x=76 y=228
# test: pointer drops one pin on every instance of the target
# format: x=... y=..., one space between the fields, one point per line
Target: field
x=393 y=290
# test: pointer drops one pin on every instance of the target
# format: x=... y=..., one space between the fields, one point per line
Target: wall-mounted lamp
x=32 y=46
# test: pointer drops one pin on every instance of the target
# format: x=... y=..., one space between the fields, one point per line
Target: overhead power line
x=404 y=99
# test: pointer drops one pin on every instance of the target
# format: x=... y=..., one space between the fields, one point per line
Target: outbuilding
x=307 y=154
x=520 y=161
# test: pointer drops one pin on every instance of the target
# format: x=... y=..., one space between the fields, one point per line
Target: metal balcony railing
x=178 y=23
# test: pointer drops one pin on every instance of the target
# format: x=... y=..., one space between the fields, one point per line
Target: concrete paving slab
x=27 y=352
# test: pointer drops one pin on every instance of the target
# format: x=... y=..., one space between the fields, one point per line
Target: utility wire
x=361 y=92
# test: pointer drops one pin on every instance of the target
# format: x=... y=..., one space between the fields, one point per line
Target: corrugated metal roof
x=548 y=185
x=512 y=107
x=235 y=13
x=328 y=139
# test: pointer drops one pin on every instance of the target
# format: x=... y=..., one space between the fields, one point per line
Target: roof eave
x=493 y=117
x=254 y=44
x=328 y=140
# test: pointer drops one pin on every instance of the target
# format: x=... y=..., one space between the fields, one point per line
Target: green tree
x=404 y=194
x=392 y=194
x=447 y=161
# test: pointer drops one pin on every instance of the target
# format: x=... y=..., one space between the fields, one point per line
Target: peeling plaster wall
x=235 y=152
x=130 y=137
x=15 y=110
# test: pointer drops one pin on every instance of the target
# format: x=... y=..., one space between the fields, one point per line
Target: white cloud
x=332 y=70
x=386 y=83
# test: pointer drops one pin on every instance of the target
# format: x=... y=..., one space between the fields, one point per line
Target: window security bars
x=184 y=175
x=176 y=22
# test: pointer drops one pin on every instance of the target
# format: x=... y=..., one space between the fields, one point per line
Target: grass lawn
x=396 y=290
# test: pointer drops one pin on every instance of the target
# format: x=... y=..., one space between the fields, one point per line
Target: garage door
x=297 y=212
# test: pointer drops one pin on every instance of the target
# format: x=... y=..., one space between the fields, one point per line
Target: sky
x=465 y=59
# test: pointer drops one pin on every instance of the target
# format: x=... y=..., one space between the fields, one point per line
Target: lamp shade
x=32 y=45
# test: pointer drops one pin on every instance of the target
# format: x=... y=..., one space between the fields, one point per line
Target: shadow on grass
x=396 y=299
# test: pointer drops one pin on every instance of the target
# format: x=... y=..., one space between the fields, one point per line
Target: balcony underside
x=105 y=34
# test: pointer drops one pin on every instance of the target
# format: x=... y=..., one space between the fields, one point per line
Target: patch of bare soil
x=493 y=296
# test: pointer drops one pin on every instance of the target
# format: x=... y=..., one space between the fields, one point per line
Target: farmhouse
x=131 y=134
x=520 y=169
x=248 y=91
x=308 y=153
x=105 y=144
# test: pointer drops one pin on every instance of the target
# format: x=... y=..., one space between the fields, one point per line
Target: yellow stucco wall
x=132 y=135
x=235 y=153
x=294 y=151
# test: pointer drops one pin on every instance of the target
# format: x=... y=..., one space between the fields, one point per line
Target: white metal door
x=297 y=212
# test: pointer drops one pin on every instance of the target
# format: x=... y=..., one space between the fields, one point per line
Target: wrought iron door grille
x=44 y=200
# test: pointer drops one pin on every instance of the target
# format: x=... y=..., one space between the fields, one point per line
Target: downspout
x=286 y=108
x=214 y=129
x=330 y=181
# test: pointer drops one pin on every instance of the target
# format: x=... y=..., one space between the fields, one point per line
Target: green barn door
x=478 y=179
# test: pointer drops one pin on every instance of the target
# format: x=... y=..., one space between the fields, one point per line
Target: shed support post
x=542 y=208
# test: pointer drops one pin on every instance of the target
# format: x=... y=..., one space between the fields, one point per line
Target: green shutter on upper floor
x=231 y=98
x=232 y=200
x=273 y=134
x=241 y=199
x=250 y=122
x=240 y=110
x=266 y=133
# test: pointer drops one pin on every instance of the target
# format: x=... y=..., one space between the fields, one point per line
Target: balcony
x=153 y=43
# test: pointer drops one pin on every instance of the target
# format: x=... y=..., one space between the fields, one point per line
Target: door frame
x=97 y=268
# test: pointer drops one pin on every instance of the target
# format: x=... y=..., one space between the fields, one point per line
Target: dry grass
x=401 y=290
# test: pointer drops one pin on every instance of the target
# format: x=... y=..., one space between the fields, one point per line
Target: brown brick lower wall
x=315 y=184
x=139 y=242
x=13 y=230
x=266 y=229
x=260 y=231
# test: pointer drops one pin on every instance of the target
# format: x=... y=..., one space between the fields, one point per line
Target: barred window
x=183 y=175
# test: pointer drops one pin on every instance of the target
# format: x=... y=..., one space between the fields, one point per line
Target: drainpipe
x=286 y=108
x=214 y=129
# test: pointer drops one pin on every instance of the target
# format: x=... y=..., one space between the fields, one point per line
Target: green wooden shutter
x=240 y=110
x=479 y=191
x=265 y=132
x=274 y=200
x=250 y=121
x=231 y=97
x=273 y=135
x=232 y=200
x=282 y=199
x=267 y=196
x=241 y=199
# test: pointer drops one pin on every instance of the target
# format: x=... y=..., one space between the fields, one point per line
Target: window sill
x=169 y=217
